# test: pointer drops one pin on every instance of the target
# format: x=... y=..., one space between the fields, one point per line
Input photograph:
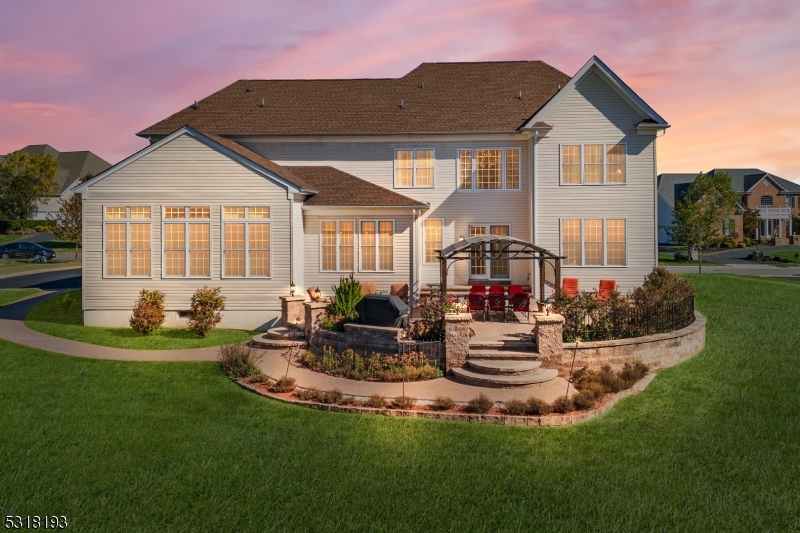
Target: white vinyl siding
x=593 y=242
x=127 y=241
x=489 y=169
x=593 y=164
x=414 y=168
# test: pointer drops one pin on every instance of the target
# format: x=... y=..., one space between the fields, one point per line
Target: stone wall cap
x=389 y=329
x=316 y=305
x=293 y=298
x=552 y=318
x=698 y=324
x=457 y=317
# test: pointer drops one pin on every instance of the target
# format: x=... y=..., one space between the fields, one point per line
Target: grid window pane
x=328 y=245
x=593 y=244
x=488 y=169
x=499 y=267
x=571 y=164
x=116 y=237
x=615 y=163
x=140 y=263
x=174 y=236
x=234 y=237
x=259 y=263
x=593 y=163
x=174 y=263
x=766 y=201
x=615 y=230
x=512 y=169
x=140 y=236
x=404 y=168
x=233 y=212
x=571 y=241
x=477 y=267
x=465 y=169
x=199 y=212
x=386 y=244
x=368 y=258
x=174 y=212
x=259 y=212
x=140 y=212
x=234 y=263
x=259 y=236
x=115 y=212
x=115 y=263
x=346 y=242
x=433 y=240
x=199 y=250
x=424 y=168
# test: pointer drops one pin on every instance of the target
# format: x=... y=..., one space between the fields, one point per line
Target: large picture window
x=187 y=241
x=377 y=246
x=127 y=241
x=489 y=169
x=433 y=239
x=594 y=242
x=246 y=241
x=593 y=164
x=413 y=168
x=337 y=241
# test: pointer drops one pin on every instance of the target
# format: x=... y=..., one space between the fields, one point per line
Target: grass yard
x=60 y=316
x=668 y=259
x=18 y=266
x=8 y=238
x=8 y=296
x=711 y=445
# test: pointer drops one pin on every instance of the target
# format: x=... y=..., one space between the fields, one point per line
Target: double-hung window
x=377 y=246
x=593 y=242
x=337 y=243
x=488 y=169
x=246 y=241
x=592 y=164
x=187 y=241
x=433 y=239
x=127 y=241
x=413 y=168
x=496 y=268
x=766 y=201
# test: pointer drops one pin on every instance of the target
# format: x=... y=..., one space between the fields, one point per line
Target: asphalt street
x=47 y=281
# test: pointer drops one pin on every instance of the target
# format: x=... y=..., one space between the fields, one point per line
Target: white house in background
x=266 y=183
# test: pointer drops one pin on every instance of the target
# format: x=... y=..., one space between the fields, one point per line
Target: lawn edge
x=39 y=271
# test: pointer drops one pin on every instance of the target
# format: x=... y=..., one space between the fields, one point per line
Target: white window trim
x=127 y=221
x=246 y=221
x=488 y=226
x=414 y=168
x=604 y=183
x=504 y=150
x=187 y=258
x=356 y=243
x=583 y=242
x=376 y=245
x=424 y=240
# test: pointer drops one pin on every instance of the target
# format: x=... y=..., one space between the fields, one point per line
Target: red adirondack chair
x=569 y=286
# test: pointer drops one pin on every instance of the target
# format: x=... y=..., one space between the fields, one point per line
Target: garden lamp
x=292 y=289
x=317 y=294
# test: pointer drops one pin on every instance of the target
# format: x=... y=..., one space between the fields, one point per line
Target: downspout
x=532 y=270
x=655 y=198
x=291 y=243
x=412 y=293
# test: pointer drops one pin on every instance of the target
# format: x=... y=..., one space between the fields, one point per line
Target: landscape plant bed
x=378 y=367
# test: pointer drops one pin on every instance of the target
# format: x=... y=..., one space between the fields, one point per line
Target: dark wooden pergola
x=501 y=247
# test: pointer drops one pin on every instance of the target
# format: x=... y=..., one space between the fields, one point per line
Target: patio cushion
x=367 y=287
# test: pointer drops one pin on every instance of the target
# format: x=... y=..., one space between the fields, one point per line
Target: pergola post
x=443 y=273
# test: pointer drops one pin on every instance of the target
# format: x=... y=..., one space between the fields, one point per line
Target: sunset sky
x=89 y=74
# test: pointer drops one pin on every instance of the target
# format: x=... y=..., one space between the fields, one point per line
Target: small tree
x=708 y=201
x=148 y=312
x=205 y=311
x=23 y=181
x=68 y=221
x=751 y=221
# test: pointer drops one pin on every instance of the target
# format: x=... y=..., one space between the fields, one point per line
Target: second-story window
x=489 y=169
x=592 y=164
x=413 y=168
x=766 y=201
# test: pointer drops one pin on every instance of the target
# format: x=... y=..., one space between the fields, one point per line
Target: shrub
x=285 y=384
x=662 y=287
x=332 y=396
x=515 y=407
x=309 y=395
x=432 y=309
x=377 y=401
x=443 y=403
x=537 y=407
x=740 y=245
x=342 y=308
x=563 y=405
x=348 y=400
x=631 y=373
x=403 y=402
x=148 y=312
x=205 y=310
x=584 y=399
x=259 y=377
x=413 y=366
x=480 y=404
x=727 y=244
x=238 y=361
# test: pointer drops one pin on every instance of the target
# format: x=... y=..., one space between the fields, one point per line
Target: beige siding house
x=272 y=183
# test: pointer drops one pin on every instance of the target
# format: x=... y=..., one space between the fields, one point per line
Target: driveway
x=47 y=281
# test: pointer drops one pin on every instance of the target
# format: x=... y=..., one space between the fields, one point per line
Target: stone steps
x=516 y=346
x=503 y=355
x=285 y=333
x=539 y=377
x=266 y=343
x=503 y=367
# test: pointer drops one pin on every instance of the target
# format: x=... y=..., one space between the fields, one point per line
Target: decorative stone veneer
x=313 y=317
x=656 y=351
x=292 y=309
x=456 y=338
x=549 y=331
x=363 y=334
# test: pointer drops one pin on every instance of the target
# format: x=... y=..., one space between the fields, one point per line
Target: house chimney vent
x=248 y=89
x=520 y=95
x=263 y=102
x=422 y=85
x=402 y=103
x=194 y=105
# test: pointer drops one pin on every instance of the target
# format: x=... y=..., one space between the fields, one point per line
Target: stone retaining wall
x=656 y=351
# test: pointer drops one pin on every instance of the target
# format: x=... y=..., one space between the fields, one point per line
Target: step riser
x=271 y=344
x=493 y=368
x=538 y=379
x=496 y=385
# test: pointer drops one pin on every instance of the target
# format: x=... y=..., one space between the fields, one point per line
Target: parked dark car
x=25 y=250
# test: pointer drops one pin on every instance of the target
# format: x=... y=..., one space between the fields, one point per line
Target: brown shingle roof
x=436 y=98
x=337 y=188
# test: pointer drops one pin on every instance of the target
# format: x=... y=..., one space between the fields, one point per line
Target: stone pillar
x=456 y=338
x=291 y=310
x=549 y=330
x=313 y=315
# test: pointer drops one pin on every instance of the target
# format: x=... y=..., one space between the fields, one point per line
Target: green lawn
x=8 y=238
x=711 y=445
x=19 y=266
x=61 y=316
x=668 y=259
x=8 y=296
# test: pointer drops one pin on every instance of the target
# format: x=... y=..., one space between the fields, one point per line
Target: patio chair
x=497 y=302
x=476 y=302
x=569 y=286
x=521 y=303
x=478 y=288
x=497 y=289
x=368 y=287
x=399 y=289
x=515 y=289
x=607 y=286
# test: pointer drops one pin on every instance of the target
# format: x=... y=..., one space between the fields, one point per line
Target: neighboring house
x=776 y=199
x=71 y=167
x=268 y=183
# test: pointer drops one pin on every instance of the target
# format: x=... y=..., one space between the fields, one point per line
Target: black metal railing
x=433 y=351
x=626 y=322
